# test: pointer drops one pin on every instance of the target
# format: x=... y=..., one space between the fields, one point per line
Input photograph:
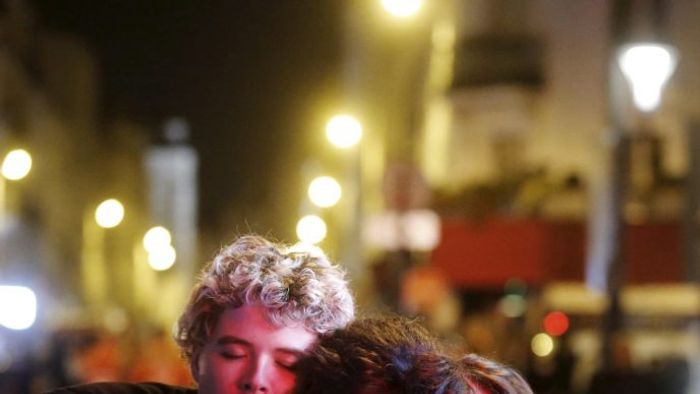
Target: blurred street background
x=522 y=174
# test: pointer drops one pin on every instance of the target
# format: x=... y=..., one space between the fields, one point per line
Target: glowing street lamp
x=324 y=191
x=647 y=67
x=155 y=238
x=311 y=229
x=109 y=213
x=16 y=165
x=161 y=254
x=542 y=345
x=402 y=8
x=162 y=258
x=344 y=131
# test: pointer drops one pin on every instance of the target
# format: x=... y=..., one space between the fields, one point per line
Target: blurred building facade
x=504 y=108
x=49 y=106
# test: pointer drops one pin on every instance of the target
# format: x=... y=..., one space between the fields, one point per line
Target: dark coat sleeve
x=123 y=388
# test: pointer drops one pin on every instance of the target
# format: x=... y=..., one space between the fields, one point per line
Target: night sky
x=247 y=75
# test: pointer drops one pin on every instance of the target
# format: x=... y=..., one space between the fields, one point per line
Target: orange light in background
x=556 y=323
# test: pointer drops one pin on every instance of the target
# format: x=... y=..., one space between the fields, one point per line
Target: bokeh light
x=17 y=307
x=156 y=237
x=402 y=8
x=515 y=286
x=512 y=305
x=162 y=257
x=109 y=213
x=324 y=191
x=311 y=229
x=344 y=131
x=16 y=165
x=542 y=345
x=555 y=323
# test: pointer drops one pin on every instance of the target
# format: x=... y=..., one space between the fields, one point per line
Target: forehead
x=252 y=324
x=479 y=388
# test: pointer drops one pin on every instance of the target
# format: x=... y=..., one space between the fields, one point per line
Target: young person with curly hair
x=255 y=310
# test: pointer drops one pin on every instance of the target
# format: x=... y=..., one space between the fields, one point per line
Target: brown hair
x=380 y=355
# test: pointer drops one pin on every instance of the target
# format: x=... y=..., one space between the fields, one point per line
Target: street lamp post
x=346 y=132
x=15 y=167
x=152 y=254
x=108 y=214
x=646 y=66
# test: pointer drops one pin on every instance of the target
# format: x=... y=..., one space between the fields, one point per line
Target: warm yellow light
x=542 y=345
x=402 y=8
x=324 y=191
x=162 y=258
x=311 y=229
x=109 y=213
x=344 y=131
x=305 y=248
x=16 y=165
x=156 y=237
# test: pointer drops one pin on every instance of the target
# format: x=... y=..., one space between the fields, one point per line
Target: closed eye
x=290 y=366
x=288 y=360
x=232 y=356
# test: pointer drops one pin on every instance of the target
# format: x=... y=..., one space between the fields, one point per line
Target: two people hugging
x=267 y=319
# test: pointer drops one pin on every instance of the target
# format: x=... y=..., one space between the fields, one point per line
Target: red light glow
x=555 y=323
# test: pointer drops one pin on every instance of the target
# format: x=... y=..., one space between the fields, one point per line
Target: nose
x=257 y=376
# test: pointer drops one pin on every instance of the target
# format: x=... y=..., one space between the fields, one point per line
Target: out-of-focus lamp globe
x=343 y=131
x=542 y=345
x=324 y=191
x=647 y=67
x=17 y=307
x=311 y=229
x=156 y=237
x=162 y=258
x=16 y=164
x=402 y=8
x=109 y=213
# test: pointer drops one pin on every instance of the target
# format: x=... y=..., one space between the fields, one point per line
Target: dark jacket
x=123 y=388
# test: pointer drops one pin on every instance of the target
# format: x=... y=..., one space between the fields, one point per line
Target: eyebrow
x=232 y=340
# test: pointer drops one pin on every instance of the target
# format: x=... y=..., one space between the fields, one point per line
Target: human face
x=247 y=353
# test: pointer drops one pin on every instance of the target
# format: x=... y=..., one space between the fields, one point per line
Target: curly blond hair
x=296 y=287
